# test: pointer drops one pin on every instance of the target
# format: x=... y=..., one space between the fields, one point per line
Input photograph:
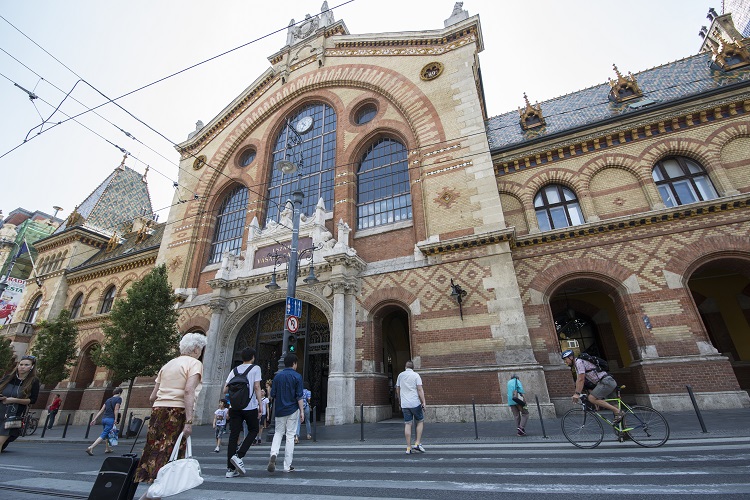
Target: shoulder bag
x=518 y=397
x=177 y=475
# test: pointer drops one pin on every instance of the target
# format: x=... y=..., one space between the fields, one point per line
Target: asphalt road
x=695 y=467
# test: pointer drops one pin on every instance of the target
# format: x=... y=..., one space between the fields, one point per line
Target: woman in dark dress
x=18 y=390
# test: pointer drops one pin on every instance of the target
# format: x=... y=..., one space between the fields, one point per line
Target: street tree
x=141 y=334
x=6 y=354
x=55 y=348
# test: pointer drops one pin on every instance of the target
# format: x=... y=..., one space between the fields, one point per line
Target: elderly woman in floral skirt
x=177 y=386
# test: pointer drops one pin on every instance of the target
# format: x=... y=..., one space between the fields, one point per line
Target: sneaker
x=238 y=464
x=231 y=473
x=216 y=450
x=419 y=448
x=408 y=451
x=272 y=463
x=290 y=469
x=296 y=439
x=619 y=417
x=521 y=431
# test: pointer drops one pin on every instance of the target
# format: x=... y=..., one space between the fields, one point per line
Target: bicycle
x=29 y=424
x=641 y=424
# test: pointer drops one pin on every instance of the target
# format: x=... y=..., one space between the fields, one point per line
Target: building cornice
x=109 y=268
x=467 y=242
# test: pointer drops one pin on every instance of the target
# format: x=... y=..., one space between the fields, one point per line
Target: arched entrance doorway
x=721 y=291
x=84 y=376
x=264 y=332
x=396 y=346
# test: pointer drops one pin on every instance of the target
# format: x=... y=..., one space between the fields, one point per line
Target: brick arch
x=723 y=135
x=629 y=163
x=590 y=270
x=694 y=149
x=694 y=255
x=554 y=176
x=389 y=295
x=515 y=189
x=197 y=323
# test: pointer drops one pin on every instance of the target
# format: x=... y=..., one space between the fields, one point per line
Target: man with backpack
x=593 y=376
x=243 y=387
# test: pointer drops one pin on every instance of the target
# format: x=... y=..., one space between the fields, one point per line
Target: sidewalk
x=683 y=425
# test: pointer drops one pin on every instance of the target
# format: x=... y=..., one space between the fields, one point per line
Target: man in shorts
x=410 y=394
x=603 y=382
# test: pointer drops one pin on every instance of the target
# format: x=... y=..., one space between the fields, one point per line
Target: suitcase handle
x=140 y=428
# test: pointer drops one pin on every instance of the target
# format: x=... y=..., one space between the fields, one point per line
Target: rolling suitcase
x=115 y=478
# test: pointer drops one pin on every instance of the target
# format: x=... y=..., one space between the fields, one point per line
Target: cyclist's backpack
x=238 y=389
x=600 y=364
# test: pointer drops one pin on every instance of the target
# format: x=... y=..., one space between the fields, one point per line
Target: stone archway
x=84 y=376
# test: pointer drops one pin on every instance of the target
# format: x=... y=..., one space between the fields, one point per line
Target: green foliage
x=141 y=333
x=6 y=355
x=55 y=348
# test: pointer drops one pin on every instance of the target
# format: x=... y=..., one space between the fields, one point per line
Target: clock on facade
x=304 y=124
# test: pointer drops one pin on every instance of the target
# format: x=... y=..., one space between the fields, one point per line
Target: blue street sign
x=293 y=307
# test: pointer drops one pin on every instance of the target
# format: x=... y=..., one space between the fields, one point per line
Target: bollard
x=362 y=421
x=46 y=423
x=697 y=410
x=88 y=426
x=315 y=424
x=541 y=420
x=474 y=409
x=67 y=422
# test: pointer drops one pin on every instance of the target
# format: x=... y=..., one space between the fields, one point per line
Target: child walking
x=263 y=414
x=220 y=422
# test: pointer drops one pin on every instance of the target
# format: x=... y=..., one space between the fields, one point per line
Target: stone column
x=340 y=407
x=213 y=379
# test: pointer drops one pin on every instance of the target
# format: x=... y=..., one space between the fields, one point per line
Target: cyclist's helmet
x=567 y=353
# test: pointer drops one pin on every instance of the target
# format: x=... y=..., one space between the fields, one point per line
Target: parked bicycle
x=30 y=423
x=641 y=424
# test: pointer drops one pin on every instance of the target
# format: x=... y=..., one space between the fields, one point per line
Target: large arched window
x=383 y=194
x=556 y=207
x=680 y=181
x=75 y=308
x=316 y=149
x=34 y=310
x=230 y=225
x=109 y=298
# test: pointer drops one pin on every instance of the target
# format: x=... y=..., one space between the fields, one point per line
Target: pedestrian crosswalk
x=371 y=470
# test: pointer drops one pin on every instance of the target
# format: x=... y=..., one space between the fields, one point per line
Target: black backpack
x=238 y=389
x=600 y=365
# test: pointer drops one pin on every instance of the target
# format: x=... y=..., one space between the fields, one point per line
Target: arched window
x=75 y=308
x=230 y=225
x=383 y=194
x=109 y=298
x=681 y=181
x=556 y=207
x=316 y=150
x=34 y=310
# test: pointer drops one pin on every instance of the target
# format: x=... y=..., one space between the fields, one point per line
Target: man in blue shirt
x=286 y=392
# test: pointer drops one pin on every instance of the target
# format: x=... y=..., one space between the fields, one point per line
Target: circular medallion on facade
x=431 y=71
x=199 y=162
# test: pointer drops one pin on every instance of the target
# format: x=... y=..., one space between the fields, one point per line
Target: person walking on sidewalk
x=286 y=392
x=110 y=409
x=220 y=423
x=53 y=409
x=410 y=395
x=306 y=396
x=520 y=411
x=248 y=414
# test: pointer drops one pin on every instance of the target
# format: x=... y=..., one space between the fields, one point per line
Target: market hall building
x=612 y=220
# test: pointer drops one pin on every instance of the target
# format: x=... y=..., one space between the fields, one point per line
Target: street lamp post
x=291 y=282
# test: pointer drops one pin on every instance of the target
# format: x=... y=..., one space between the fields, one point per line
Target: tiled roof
x=118 y=200
x=668 y=83
x=130 y=246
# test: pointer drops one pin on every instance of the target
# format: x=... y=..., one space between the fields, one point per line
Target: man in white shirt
x=249 y=414
x=410 y=395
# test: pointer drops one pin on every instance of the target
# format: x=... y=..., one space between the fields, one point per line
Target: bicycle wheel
x=646 y=426
x=582 y=428
x=31 y=428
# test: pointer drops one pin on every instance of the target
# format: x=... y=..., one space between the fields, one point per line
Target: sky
x=545 y=48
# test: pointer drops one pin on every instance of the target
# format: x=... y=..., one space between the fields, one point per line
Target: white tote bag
x=177 y=475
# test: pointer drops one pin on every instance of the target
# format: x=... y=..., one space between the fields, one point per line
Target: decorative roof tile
x=671 y=82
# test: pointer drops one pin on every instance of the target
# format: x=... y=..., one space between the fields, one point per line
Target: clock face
x=304 y=124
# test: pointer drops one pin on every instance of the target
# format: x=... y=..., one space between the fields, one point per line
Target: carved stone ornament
x=531 y=116
x=730 y=54
x=624 y=88
x=113 y=242
x=199 y=162
x=447 y=197
x=431 y=71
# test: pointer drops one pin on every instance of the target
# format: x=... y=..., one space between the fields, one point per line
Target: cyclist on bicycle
x=602 y=382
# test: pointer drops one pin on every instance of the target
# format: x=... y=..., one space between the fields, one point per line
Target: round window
x=365 y=114
x=247 y=157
